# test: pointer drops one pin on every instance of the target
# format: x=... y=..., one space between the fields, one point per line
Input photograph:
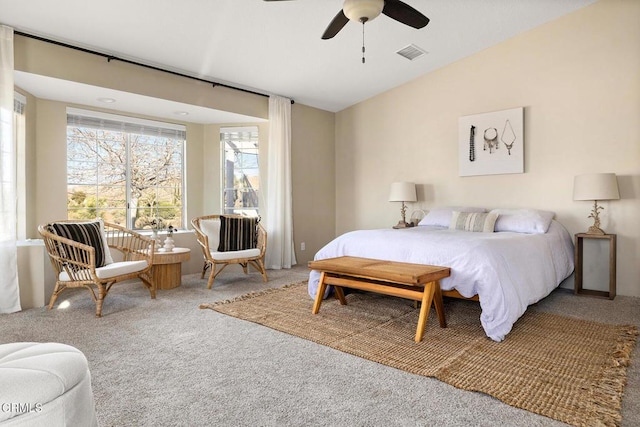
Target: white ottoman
x=45 y=384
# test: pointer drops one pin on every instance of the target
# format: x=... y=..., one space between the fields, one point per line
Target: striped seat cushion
x=88 y=233
x=238 y=233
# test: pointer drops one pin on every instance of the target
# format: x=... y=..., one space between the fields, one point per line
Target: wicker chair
x=74 y=263
x=207 y=230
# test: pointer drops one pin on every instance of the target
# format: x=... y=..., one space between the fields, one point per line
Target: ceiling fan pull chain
x=363 y=41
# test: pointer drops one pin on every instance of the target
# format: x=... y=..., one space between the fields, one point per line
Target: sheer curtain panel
x=279 y=217
x=9 y=291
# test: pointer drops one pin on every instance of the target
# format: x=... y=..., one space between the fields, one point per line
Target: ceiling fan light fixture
x=362 y=10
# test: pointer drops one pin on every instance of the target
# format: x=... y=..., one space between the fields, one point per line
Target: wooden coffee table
x=416 y=282
x=167 y=267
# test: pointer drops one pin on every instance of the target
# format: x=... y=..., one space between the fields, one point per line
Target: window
x=11 y=141
x=125 y=170
x=240 y=180
x=19 y=136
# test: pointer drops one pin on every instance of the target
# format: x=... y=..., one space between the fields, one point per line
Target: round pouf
x=45 y=384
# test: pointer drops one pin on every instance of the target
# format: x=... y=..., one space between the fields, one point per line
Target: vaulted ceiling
x=276 y=47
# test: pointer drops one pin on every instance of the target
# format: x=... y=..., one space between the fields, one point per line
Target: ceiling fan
x=367 y=10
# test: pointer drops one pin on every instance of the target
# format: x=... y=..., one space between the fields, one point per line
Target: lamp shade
x=596 y=186
x=403 y=192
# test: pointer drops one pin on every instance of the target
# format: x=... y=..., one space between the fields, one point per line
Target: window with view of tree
x=125 y=170
x=240 y=181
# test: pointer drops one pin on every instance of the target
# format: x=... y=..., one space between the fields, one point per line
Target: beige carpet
x=567 y=369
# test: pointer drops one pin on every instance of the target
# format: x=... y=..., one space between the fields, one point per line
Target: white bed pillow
x=442 y=216
x=473 y=221
x=531 y=221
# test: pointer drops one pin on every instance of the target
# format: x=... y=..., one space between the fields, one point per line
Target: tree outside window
x=128 y=173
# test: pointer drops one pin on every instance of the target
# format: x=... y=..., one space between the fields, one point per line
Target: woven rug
x=564 y=368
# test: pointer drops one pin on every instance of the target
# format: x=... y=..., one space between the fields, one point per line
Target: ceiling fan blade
x=339 y=21
x=402 y=12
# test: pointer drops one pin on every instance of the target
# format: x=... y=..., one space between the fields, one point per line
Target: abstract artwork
x=491 y=143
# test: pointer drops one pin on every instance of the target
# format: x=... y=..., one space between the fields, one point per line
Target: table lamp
x=596 y=186
x=403 y=192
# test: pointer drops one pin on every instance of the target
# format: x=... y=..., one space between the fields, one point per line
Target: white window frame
x=132 y=125
x=19 y=135
x=254 y=131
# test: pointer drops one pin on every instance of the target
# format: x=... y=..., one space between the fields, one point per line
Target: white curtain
x=9 y=291
x=279 y=218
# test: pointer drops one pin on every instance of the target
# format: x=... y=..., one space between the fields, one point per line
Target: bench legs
x=437 y=302
x=430 y=294
x=322 y=286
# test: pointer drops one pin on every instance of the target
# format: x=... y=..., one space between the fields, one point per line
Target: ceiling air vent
x=411 y=52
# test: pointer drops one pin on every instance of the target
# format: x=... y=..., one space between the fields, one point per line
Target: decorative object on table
x=156 y=226
x=156 y=238
x=596 y=186
x=416 y=216
x=498 y=128
x=403 y=192
x=168 y=242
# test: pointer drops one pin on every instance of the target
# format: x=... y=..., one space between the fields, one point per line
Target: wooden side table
x=167 y=267
x=579 y=290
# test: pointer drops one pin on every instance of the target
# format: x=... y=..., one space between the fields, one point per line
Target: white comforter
x=508 y=271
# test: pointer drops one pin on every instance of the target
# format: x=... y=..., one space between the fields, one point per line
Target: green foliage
x=81 y=206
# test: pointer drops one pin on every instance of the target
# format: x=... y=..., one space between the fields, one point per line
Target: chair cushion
x=112 y=270
x=34 y=374
x=237 y=233
x=211 y=227
x=224 y=256
x=88 y=233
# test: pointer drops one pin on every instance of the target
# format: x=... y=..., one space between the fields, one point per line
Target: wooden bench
x=416 y=282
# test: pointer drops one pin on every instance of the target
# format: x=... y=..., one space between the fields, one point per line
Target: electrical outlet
x=303 y=246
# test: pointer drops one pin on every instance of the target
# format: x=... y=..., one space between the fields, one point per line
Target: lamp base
x=593 y=230
x=403 y=224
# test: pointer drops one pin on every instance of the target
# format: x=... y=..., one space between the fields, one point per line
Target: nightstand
x=579 y=290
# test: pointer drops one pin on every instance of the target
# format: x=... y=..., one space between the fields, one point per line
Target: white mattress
x=508 y=271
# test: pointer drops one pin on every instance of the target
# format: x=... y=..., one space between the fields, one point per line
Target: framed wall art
x=491 y=143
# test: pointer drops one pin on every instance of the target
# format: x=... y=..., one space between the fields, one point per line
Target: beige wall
x=578 y=79
x=47 y=59
x=313 y=174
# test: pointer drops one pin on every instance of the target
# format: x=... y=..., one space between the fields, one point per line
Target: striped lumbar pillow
x=473 y=221
x=238 y=233
x=88 y=233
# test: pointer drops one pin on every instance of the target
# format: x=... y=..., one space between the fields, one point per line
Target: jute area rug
x=564 y=368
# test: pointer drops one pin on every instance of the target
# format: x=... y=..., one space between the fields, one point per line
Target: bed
x=520 y=257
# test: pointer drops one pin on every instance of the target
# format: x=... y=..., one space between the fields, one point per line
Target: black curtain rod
x=151 y=67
